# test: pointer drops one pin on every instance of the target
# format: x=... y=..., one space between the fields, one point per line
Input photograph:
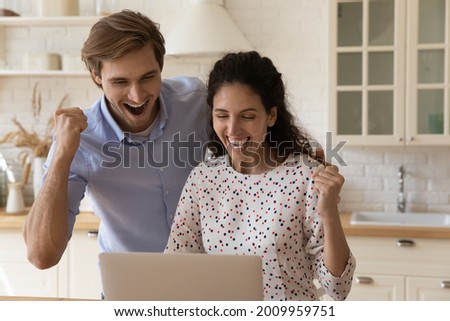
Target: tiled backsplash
x=294 y=33
x=372 y=178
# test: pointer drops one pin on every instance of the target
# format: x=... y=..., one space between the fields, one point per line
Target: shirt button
x=166 y=192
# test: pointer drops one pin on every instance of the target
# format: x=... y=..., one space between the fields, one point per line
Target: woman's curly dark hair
x=259 y=73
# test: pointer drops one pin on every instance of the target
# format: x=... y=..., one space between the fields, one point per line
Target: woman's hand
x=328 y=184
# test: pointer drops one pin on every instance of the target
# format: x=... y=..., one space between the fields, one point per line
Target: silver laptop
x=134 y=276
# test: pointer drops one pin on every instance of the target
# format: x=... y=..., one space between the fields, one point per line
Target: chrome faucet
x=401 y=195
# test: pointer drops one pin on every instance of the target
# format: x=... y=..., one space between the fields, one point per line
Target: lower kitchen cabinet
x=76 y=275
x=377 y=288
x=427 y=289
x=400 y=269
x=17 y=276
x=83 y=274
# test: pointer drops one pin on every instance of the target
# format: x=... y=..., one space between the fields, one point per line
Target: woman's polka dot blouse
x=272 y=215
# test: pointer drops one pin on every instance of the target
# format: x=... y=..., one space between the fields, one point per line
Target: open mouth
x=238 y=144
x=135 y=109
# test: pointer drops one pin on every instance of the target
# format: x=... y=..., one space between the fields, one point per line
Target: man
x=131 y=152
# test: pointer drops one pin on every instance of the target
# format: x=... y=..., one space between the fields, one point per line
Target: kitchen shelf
x=50 y=73
x=49 y=21
x=24 y=21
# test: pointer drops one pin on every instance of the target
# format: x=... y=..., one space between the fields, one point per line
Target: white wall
x=294 y=33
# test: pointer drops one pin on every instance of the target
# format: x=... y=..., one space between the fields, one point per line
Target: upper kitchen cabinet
x=389 y=72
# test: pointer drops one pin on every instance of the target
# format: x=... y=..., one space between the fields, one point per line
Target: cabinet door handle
x=406 y=243
x=363 y=280
x=445 y=284
x=92 y=234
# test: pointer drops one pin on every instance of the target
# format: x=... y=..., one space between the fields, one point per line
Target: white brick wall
x=294 y=33
x=372 y=181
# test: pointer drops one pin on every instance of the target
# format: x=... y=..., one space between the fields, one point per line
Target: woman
x=263 y=193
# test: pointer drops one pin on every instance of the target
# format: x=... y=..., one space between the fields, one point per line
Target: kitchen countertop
x=88 y=221
x=85 y=221
x=393 y=231
x=36 y=298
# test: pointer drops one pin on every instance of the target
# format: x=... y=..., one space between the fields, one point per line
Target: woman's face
x=240 y=121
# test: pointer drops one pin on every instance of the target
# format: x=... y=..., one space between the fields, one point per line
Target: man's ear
x=96 y=77
x=272 y=117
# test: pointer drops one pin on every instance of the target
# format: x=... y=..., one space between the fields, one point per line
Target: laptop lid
x=132 y=276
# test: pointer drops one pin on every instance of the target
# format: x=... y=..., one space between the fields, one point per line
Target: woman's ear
x=272 y=117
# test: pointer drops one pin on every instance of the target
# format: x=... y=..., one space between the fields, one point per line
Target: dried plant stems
x=38 y=144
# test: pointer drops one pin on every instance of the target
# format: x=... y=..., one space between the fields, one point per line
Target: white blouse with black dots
x=272 y=215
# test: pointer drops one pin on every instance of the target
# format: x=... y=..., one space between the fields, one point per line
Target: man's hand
x=69 y=123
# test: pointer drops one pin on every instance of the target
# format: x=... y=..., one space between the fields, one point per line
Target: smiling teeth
x=237 y=144
x=135 y=109
x=135 y=106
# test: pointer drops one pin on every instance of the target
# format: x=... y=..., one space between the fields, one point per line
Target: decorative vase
x=15 y=203
x=38 y=172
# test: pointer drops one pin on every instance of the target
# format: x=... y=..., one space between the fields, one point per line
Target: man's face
x=132 y=84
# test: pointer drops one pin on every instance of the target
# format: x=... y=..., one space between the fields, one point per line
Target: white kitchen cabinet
x=427 y=289
x=75 y=276
x=17 y=276
x=390 y=268
x=377 y=288
x=83 y=275
x=389 y=72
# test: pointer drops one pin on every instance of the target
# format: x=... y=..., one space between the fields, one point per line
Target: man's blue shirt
x=134 y=184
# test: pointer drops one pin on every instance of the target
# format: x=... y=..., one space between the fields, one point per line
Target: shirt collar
x=110 y=120
x=160 y=121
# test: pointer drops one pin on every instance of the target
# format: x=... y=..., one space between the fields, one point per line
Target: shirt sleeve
x=337 y=287
x=186 y=234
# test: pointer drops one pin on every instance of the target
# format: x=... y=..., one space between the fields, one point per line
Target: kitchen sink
x=400 y=219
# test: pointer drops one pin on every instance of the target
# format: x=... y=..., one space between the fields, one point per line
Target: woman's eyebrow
x=242 y=111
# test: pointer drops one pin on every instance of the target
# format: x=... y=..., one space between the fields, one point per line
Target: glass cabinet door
x=430 y=111
x=429 y=90
x=390 y=71
x=350 y=24
x=366 y=97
